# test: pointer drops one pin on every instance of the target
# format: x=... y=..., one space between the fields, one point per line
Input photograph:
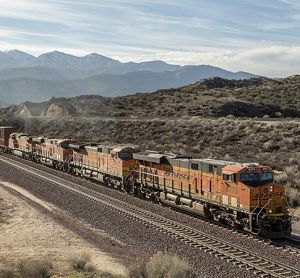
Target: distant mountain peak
x=158 y=62
x=16 y=51
x=96 y=55
x=55 y=53
x=17 y=54
x=99 y=57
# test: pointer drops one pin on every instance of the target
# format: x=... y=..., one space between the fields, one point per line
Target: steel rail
x=290 y=248
x=208 y=243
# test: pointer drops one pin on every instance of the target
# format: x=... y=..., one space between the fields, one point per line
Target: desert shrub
x=7 y=273
x=290 y=177
x=293 y=161
x=269 y=145
x=139 y=270
x=35 y=268
x=162 y=266
x=293 y=176
x=89 y=267
x=82 y=262
x=281 y=178
x=293 y=196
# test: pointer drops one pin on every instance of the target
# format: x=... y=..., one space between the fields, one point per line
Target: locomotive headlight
x=271 y=188
x=270 y=211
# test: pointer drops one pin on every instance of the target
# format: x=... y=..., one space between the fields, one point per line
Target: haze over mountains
x=24 y=77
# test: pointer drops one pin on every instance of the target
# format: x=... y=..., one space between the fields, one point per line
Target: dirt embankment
x=26 y=233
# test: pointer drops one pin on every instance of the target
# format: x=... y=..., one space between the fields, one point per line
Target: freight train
x=243 y=195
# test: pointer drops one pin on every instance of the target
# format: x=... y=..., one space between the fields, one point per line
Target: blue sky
x=261 y=36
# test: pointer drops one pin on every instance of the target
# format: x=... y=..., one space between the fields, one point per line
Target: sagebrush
x=162 y=266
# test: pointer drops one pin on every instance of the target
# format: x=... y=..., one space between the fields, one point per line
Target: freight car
x=241 y=195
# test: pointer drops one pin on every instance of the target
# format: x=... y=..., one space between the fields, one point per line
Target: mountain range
x=24 y=77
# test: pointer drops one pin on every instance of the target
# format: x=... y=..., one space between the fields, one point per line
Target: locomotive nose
x=274 y=196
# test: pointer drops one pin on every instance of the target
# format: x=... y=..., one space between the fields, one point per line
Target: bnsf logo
x=182 y=176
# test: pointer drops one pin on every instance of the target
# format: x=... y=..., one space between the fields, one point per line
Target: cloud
x=274 y=61
x=293 y=3
x=257 y=36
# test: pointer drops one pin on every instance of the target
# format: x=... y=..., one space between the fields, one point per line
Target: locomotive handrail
x=262 y=210
x=251 y=214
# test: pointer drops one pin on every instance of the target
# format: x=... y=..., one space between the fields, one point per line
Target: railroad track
x=290 y=244
x=230 y=252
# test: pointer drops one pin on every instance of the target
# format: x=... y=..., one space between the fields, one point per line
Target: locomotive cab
x=262 y=198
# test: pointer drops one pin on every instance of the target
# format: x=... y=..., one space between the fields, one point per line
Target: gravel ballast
x=141 y=240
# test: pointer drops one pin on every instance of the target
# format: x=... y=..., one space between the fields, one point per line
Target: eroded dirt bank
x=27 y=232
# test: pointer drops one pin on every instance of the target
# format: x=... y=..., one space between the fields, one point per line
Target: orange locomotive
x=22 y=145
x=242 y=195
x=108 y=164
x=54 y=152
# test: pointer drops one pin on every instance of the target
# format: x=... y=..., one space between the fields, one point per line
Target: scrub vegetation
x=160 y=265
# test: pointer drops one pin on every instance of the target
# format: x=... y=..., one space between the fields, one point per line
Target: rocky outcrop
x=24 y=111
x=55 y=110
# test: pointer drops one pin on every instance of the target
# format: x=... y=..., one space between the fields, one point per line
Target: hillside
x=214 y=97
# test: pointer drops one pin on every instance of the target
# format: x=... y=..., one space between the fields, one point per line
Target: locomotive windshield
x=125 y=156
x=256 y=179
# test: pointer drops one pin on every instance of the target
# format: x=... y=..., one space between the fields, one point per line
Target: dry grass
x=82 y=262
x=290 y=178
x=4 y=215
x=30 y=268
x=162 y=266
x=7 y=273
x=34 y=268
